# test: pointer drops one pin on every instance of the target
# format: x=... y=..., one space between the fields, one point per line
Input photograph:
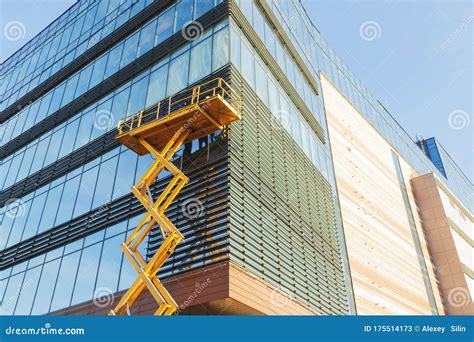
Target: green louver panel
x=282 y=225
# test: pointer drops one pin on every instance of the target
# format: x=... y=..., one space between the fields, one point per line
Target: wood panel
x=385 y=270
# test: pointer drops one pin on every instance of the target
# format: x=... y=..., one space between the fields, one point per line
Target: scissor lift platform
x=161 y=130
x=203 y=110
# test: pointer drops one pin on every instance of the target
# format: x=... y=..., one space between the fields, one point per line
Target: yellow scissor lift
x=160 y=130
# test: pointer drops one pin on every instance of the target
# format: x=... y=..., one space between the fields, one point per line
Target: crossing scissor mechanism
x=160 y=131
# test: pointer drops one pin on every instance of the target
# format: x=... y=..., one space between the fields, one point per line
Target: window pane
x=129 y=50
x=26 y=163
x=102 y=119
x=86 y=274
x=21 y=117
x=221 y=49
x=270 y=39
x=32 y=113
x=177 y=79
x=258 y=23
x=84 y=79
x=45 y=288
x=184 y=14
x=40 y=154
x=200 y=61
x=70 y=90
x=137 y=96
x=84 y=131
x=18 y=224
x=77 y=28
x=273 y=97
x=54 y=145
x=50 y=208
x=235 y=47
x=63 y=288
x=314 y=152
x=27 y=294
x=157 y=86
x=120 y=104
x=113 y=61
x=248 y=64
x=68 y=142
x=57 y=98
x=5 y=229
x=34 y=217
x=44 y=107
x=86 y=191
x=202 y=6
x=13 y=171
x=296 y=127
x=109 y=269
x=99 y=71
x=165 y=25
x=147 y=38
x=68 y=199
x=261 y=81
x=11 y=294
x=246 y=7
x=305 y=138
x=103 y=192
x=125 y=173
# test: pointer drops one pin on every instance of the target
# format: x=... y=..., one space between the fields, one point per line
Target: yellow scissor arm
x=160 y=130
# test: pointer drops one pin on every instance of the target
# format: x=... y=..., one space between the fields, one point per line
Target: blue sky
x=420 y=66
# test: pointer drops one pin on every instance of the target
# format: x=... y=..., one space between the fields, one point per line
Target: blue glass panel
x=86 y=191
x=130 y=50
x=165 y=25
x=65 y=283
x=45 y=289
x=184 y=14
x=178 y=74
x=202 y=6
x=113 y=62
x=147 y=38
x=25 y=300
x=86 y=274
x=66 y=205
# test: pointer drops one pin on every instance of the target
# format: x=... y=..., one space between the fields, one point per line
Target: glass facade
x=182 y=68
x=74 y=272
x=101 y=68
x=319 y=56
x=253 y=69
x=43 y=284
x=78 y=29
x=70 y=274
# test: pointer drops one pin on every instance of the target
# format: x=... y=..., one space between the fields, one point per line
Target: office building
x=315 y=202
